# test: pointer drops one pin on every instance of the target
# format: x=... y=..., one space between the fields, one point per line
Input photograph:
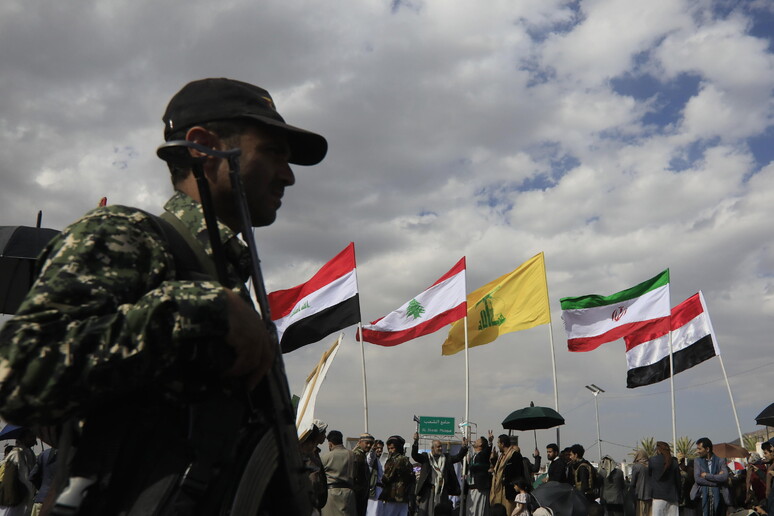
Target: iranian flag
x=327 y=303
x=441 y=304
x=693 y=342
x=593 y=320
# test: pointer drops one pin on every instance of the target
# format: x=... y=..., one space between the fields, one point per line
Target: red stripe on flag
x=686 y=311
x=682 y=314
x=393 y=338
x=281 y=302
x=458 y=267
x=619 y=332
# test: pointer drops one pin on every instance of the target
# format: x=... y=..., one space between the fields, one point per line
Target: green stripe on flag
x=594 y=300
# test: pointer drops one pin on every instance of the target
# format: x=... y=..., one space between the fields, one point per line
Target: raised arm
x=418 y=457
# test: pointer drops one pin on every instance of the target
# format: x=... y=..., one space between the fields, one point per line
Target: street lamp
x=595 y=390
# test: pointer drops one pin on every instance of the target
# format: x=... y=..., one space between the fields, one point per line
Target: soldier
x=362 y=474
x=114 y=337
x=375 y=477
x=397 y=480
x=339 y=465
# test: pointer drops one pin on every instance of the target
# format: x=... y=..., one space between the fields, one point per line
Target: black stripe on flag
x=686 y=358
x=320 y=325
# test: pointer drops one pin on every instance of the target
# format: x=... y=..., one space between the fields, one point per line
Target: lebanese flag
x=327 y=303
x=593 y=320
x=441 y=304
x=693 y=342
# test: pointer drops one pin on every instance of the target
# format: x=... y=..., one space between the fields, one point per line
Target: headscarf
x=609 y=465
x=399 y=443
x=663 y=449
x=321 y=425
x=641 y=457
x=437 y=465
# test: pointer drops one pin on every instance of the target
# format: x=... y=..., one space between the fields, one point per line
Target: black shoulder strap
x=191 y=261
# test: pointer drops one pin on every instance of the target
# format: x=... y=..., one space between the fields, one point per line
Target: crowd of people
x=140 y=340
x=498 y=480
x=26 y=477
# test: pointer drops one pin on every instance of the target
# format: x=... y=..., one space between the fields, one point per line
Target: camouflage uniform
x=107 y=317
x=360 y=480
x=398 y=479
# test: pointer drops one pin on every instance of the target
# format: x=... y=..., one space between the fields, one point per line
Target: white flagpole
x=466 y=432
x=365 y=388
x=722 y=367
x=672 y=388
x=362 y=356
x=553 y=354
x=731 y=396
x=553 y=363
x=467 y=378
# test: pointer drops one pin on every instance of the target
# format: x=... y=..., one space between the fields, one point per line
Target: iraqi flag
x=693 y=342
x=325 y=304
x=441 y=304
x=593 y=320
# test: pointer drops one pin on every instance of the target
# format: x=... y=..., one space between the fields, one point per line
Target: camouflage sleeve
x=104 y=318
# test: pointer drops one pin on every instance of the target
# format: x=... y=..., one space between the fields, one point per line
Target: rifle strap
x=190 y=257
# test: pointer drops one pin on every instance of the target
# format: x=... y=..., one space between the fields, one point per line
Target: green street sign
x=436 y=425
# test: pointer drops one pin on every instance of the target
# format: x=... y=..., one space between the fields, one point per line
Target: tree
x=750 y=442
x=686 y=446
x=648 y=445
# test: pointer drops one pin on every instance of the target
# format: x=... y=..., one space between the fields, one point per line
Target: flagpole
x=365 y=388
x=466 y=433
x=722 y=367
x=672 y=388
x=733 y=406
x=553 y=354
x=467 y=377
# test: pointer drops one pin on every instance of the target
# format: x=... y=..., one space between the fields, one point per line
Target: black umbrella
x=766 y=417
x=563 y=499
x=19 y=247
x=533 y=418
x=10 y=431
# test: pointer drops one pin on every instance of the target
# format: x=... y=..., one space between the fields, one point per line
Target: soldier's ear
x=203 y=137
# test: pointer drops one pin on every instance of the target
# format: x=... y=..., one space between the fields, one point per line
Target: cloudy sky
x=619 y=137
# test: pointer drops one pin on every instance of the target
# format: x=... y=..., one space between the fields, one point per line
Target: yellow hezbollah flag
x=513 y=302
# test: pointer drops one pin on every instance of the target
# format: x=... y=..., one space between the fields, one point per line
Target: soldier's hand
x=248 y=337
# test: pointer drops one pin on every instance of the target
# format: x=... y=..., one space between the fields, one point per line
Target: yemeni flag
x=593 y=320
x=693 y=342
x=327 y=303
x=441 y=304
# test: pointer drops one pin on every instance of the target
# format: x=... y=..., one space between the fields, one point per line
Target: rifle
x=272 y=478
